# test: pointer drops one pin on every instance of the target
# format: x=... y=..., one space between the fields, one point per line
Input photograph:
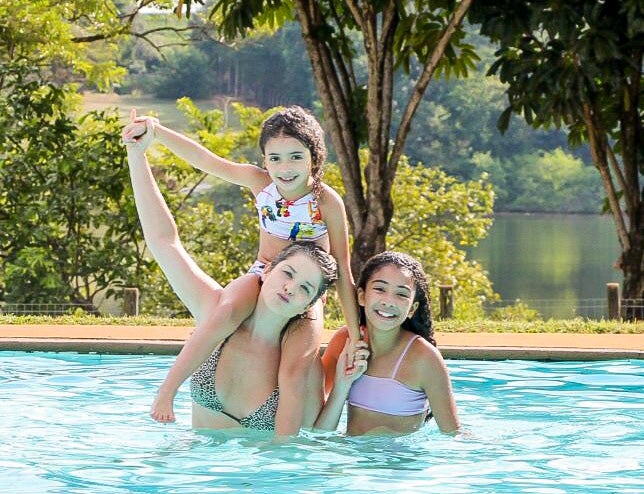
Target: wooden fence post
x=446 y=302
x=614 y=301
x=131 y=301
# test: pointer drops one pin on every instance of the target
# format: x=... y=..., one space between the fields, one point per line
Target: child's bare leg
x=234 y=305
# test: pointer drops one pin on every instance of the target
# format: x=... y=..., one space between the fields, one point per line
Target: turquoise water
x=78 y=423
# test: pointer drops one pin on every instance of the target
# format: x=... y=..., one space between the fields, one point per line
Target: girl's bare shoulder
x=425 y=356
x=329 y=197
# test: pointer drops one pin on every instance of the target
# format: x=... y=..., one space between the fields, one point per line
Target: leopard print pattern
x=202 y=391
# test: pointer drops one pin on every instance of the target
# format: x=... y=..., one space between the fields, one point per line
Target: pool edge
x=172 y=347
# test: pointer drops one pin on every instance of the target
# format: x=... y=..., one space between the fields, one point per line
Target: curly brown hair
x=296 y=122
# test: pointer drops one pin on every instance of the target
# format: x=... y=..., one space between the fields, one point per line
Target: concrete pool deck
x=169 y=340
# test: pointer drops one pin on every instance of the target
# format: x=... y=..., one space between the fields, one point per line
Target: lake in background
x=558 y=261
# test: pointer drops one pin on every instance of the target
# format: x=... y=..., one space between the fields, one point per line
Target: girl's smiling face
x=388 y=297
x=288 y=163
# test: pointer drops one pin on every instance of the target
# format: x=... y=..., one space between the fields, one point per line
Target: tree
x=359 y=111
x=436 y=217
x=69 y=229
x=578 y=65
x=76 y=39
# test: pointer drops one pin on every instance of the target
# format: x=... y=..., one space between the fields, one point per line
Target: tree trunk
x=630 y=137
x=629 y=221
x=369 y=211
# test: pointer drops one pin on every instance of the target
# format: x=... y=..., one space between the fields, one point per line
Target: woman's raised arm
x=194 y=287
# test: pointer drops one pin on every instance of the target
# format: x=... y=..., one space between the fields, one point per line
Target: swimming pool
x=78 y=423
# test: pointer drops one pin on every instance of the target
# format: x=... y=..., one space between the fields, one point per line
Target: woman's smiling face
x=388 y=297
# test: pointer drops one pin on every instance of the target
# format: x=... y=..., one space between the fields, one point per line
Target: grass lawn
x=164 y=109
x=581 y=326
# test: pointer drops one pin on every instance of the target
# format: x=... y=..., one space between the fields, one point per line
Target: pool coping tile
x=168 y=340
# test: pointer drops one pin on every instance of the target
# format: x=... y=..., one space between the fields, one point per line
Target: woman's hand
x=139 y=133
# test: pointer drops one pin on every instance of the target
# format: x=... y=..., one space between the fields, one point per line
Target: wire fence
x=61 y=309
x=590 y=308
x=633 y=308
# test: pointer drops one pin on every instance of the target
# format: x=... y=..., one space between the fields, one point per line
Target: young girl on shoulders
x=292 y=204
x=405 y=381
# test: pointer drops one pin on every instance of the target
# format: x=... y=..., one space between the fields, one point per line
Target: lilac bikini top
x=388 y=395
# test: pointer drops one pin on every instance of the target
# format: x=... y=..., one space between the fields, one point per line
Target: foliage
x=577 y=325
x=545 y=181
x=459 y=121
x=184 y=75
x=69 y=228
x=218 y=226
x=519 y=311
x=267 y=69
x=55 y=35
x=94 y=320
x=570 y=326
x=435 y=216
x=579 y=65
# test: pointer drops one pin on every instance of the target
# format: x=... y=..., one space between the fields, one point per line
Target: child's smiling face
x=388 y=297
x=288 y=163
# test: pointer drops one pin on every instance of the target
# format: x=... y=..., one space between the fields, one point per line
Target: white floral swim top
x=289 y=220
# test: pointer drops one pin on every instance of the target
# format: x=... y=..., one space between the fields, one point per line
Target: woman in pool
x=258 y=359
x=292 y=204
x=406 y=379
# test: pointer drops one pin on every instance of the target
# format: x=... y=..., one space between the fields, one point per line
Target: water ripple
x=78 y=423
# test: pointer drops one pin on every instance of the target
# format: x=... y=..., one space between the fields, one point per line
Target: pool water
x=78 y=423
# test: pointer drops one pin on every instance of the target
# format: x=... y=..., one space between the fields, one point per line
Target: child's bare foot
x=162 y=409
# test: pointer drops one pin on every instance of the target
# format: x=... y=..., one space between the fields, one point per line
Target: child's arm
x=335 y=218
x=332 y=410
x=438 y=387
x=246 y=175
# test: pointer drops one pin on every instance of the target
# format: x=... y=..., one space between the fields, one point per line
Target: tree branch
x=617 y=170
x=421 y=85
x=598 y=151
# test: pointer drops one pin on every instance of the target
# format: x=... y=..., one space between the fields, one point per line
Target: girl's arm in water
x=437 y=385
x=335 y=217
x=246 y=175
x=336 y=378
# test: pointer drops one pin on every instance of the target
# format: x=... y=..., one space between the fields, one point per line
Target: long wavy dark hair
x=296 y=122
x=421 y=322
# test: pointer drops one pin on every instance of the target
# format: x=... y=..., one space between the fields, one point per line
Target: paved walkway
x=169 y=339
